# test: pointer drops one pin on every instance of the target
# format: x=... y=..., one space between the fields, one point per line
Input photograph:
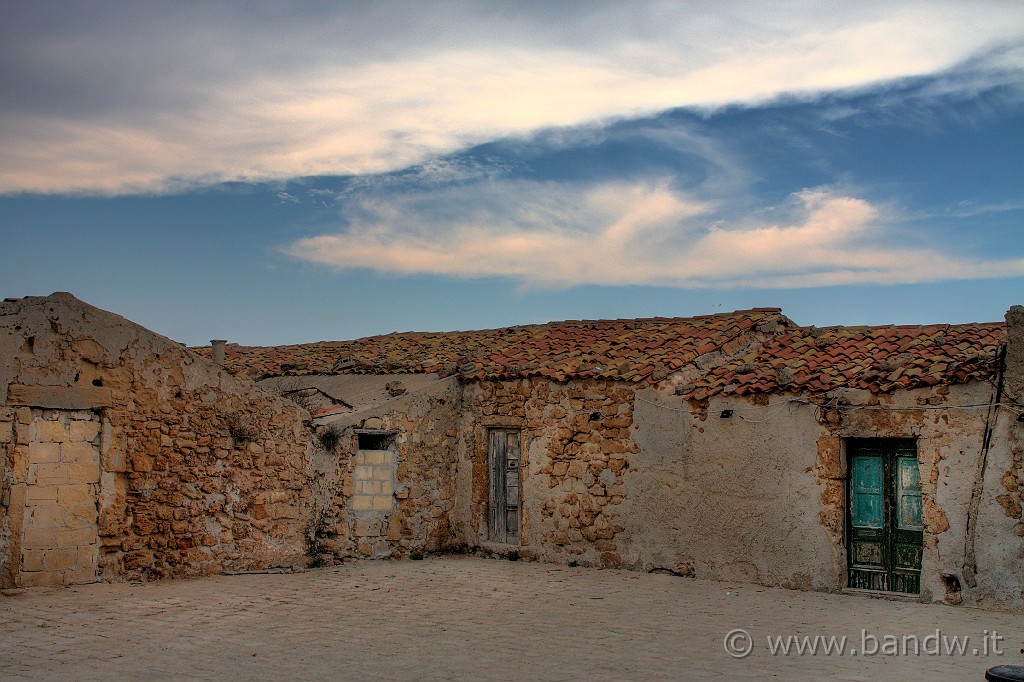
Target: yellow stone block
x=40 y=538
x=363 y=473
x=80 y=514
x=81 y=536
x=60 y=559
x=75 y=493
x=39 y=453
x=31 y=559
x=382 y=473
x=50 y=431
x=41 y=494
x=382 y=503
x=87 y=557
x=385 y=488
x=79 y=453
x=43 y=515
x=84 y=473
x=48 y=474
x=84 y=431
x=362 y=502
x=41 y=579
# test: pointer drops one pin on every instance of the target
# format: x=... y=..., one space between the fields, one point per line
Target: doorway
x=884 y=515
x=503 y=457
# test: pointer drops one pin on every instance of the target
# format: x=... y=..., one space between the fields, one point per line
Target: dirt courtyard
x=467 y=618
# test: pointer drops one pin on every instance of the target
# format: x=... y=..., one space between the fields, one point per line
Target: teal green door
x=884 y=515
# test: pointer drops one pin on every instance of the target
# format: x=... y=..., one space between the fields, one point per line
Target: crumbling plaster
x=760 y=496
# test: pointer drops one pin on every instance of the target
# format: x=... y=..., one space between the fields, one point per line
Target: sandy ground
x=466 y=618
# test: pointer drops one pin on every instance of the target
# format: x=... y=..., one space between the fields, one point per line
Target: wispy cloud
x=111 y=99
x=643 y=233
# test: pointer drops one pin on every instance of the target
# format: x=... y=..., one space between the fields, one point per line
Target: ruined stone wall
x=397 y=502
x=576 y=448
x=197 y=471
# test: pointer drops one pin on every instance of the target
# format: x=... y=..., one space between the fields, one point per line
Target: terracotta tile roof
x=628 y=350
x=880 y=359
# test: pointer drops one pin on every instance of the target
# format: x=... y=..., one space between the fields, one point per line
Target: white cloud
x=364 y=91
x=548 y=235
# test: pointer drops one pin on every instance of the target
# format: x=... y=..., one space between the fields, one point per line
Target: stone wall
x=392 y=502
x=190 y=470
x=577 y=447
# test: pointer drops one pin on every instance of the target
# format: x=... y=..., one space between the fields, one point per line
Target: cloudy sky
x=286 y=172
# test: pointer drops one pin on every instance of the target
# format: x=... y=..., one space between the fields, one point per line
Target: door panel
x=503 y=460
x=885 y=531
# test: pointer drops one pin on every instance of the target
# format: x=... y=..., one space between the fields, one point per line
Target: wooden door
x=884 y=521
x=503 y=457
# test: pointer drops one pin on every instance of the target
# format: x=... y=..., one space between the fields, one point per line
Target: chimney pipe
x=218 y=351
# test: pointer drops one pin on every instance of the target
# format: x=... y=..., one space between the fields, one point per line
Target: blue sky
x=290 y=172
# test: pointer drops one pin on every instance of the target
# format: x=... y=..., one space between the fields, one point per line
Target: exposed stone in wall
x=60 y=480
x=199 y=472
x=1012 y=483
x=578 y=444
x=401 y=501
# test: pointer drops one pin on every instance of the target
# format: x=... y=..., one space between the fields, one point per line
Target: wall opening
x=504 y=502
x=884 y=527
x=375 y=440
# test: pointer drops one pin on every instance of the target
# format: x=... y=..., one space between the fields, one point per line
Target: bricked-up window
x=375 y=440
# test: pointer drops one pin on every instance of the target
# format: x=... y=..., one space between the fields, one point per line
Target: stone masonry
x=125 y=454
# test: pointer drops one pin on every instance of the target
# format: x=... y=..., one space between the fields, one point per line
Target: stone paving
x=464 y=618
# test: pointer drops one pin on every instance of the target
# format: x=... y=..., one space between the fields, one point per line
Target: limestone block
x=75 y=494
x=41 y=494
x=80 y=536
x=80 y=514
x=32 y=559
x=362 y=502
x=41 y=516
x=50 y=432
x=84 y=431
x=382 y=502
x=41 y=579
x=77 y=452
x=84 y=473
x=36 y=537
x=85 y=569
x=382 y=473
x=60 y=559
x=40 y=453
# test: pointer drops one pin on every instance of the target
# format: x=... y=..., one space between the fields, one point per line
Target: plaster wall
x=761 y=496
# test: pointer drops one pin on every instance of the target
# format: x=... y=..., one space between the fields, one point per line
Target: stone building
x=123 y=454
x=736 y=446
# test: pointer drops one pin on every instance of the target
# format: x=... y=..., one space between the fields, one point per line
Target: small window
x=375 y=440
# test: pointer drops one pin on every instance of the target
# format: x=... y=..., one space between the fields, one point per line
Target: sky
x=271 y=172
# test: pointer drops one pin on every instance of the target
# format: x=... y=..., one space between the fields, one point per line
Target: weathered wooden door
x=884 y=520
x=503 y=455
